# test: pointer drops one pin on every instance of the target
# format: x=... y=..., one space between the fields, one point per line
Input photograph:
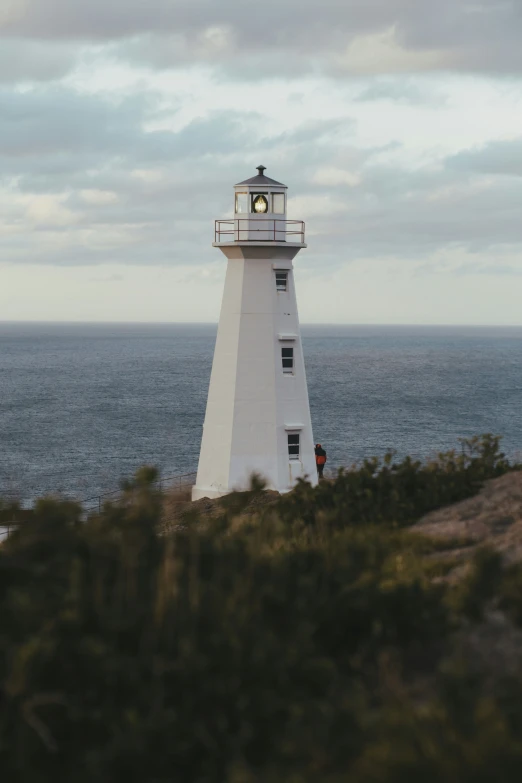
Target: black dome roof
x=260 y=179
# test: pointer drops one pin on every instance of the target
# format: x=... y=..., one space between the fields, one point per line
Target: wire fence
x=6 y=530
x=177 y=481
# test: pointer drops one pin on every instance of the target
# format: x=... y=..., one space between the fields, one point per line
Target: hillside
x=368 y=630
x=491 y=518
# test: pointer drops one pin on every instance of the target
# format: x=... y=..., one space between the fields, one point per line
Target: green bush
x=398 y=493
x=296 y=645
x=480 y=585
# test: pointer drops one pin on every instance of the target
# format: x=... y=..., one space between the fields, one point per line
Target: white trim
x=290 y=427
x=289 y=337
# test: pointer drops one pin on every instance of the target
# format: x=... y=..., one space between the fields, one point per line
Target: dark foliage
x=399 y=493
x=312 y=644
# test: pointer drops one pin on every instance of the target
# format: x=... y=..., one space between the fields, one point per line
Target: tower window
x=281 y=281
x=241 y=203
x=294 y=445
x=287 y=356
x=278 y=203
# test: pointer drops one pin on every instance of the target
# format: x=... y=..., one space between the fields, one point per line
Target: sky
x=396 y=124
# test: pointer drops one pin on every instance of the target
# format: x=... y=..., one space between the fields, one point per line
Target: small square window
x=287 y=357
x=281 y=281
x=241 y=203
x=294 y=445
x=278 y=203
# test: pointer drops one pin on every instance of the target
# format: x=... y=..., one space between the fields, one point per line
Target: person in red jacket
x=320 y=459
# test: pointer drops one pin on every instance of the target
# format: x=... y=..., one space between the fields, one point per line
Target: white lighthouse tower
x=258 y=414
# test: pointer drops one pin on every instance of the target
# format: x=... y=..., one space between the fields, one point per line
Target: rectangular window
x=281 y=281
x=241 y=203
x=294 y=445
x=278 y=203
x=287 y=356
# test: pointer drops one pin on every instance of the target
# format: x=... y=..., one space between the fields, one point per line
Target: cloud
x=48 y=211
x=24 y=60
x=497 y=157
x=332 y=176
x=85 y=180
x=402 y=91
x=384 y=52
x=89 y=179
x=98 y=197
x=492 y=269
x=349 y=37
x=53 y=136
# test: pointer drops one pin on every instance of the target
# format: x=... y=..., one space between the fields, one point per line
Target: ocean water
x=82 y=406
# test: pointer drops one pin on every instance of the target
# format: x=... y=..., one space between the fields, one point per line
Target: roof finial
x=261 y=169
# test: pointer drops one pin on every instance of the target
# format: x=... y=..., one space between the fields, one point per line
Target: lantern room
x=260 y=196
x=259 y=214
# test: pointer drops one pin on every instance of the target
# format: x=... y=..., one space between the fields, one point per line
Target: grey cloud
x=57 y=131
x=90 y=185
x=483 y=36
x=400 y=90
x=115 y=278
x=409 y=214
x=34 y=61
x=498 y=157
x=497 y=269
x=391 y=213
x=99 y=20
x=233 y=61
x=37 y=122
x=51 y=139
x=325 y=131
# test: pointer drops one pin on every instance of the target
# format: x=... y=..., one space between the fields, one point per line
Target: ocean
x=84 y=405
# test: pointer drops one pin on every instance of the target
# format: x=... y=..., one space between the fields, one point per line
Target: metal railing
x=274 y=231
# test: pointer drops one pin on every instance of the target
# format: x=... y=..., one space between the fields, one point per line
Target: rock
x=177 y=511
x=493 y=518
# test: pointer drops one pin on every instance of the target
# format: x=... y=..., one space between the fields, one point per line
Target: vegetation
x=11 y=510
x=318 y=641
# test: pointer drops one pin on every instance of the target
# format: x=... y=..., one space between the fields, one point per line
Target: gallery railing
x=259 y=230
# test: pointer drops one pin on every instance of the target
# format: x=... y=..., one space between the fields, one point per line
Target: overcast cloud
x=397 y=125
x=483 y=35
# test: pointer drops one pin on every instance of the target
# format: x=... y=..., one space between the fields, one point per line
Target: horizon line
x=303 y=323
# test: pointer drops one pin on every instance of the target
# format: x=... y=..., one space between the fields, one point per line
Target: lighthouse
x=258 y=414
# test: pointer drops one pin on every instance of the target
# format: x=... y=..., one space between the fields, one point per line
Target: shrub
x=398 y=493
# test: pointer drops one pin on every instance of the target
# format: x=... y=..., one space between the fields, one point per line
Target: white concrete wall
x=251 y=402
x=214 y=458
x=261 y=228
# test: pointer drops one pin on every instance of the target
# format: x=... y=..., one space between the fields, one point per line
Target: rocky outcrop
x=492 y=518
